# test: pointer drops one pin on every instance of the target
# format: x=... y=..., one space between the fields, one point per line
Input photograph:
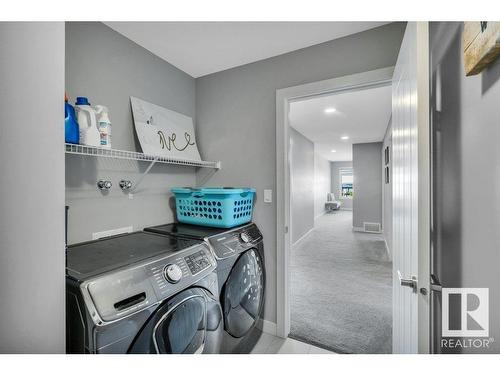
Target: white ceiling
x=362 y=115
x=201 y=48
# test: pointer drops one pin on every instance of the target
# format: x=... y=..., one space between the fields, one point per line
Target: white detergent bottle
x=104 y=125
x=87 y=122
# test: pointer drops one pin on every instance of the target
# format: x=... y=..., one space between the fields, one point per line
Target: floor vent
x=371 y=227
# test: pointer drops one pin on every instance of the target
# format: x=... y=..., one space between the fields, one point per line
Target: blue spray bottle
x=71 y=130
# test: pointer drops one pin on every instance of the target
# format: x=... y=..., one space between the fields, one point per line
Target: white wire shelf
x=131 y=155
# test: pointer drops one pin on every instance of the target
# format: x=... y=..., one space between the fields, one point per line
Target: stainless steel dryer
x=241 y=275
x=142 y=293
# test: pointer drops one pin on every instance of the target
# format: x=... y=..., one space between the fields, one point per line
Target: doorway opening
x=334 y=261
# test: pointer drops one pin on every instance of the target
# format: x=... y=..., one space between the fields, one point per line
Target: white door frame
x=284 y=96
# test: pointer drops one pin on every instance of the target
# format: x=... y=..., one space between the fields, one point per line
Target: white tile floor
x=269 y=344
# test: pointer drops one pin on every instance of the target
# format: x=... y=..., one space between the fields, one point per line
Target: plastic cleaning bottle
x=71 y=129
x=104 y=125
x=87 y=121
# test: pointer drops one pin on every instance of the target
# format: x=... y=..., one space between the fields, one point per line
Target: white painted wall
x=32 y=258
x=322 y=183
x=310 y=182
x=301 y=184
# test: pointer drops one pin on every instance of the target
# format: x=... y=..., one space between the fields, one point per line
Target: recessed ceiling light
x=344 y=137
x=330 y=110
x=334 y=150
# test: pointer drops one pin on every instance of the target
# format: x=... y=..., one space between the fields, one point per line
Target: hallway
x=341 y=288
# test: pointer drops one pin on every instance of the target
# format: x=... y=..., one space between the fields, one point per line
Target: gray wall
x=302 y=184
x=32 y=307
x=387 y=191
x=466 y=187
x=322 y=183
x=367 y=200
x=109 y=68
x=236 y=115
x=335 y=174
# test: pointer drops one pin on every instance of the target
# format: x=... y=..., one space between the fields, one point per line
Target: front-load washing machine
x=241 y=275
x=142 y=293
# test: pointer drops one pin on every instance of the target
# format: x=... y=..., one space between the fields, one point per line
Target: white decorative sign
x=163 y=132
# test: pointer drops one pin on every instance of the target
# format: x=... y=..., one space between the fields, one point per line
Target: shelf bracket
x=139 y=181
x=205 y=176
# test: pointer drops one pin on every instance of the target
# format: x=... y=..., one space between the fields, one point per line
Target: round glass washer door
x=183 y=325
x=243 y=294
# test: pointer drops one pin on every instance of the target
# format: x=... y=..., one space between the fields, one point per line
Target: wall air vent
x=371 y=227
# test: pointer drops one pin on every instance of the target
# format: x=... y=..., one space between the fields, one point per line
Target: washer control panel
x=124 y=291
x=172 y=273
x=235 y=241
x=180 y=270
x=166 y=273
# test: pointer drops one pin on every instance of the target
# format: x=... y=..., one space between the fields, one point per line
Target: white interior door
x=411 y=204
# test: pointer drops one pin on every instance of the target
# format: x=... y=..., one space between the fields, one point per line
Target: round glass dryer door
x=243 y=294
x=188 y=323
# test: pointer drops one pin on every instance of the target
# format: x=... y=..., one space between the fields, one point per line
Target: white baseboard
x=267 y=327
x=303 y=237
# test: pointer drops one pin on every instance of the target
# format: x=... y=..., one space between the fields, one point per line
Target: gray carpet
x=341 y=296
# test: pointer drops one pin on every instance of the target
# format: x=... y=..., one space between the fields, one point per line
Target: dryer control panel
x=236 y=241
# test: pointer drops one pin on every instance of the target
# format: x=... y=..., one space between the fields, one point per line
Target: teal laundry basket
x=214 y=207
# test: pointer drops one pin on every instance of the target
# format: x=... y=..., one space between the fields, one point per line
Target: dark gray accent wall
x=387 y=190
x=32 y=264
x=466 y=173
x=236 y=115
x=109 y=68
x=367 y=185
x=302 y=184
x=335 y=168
